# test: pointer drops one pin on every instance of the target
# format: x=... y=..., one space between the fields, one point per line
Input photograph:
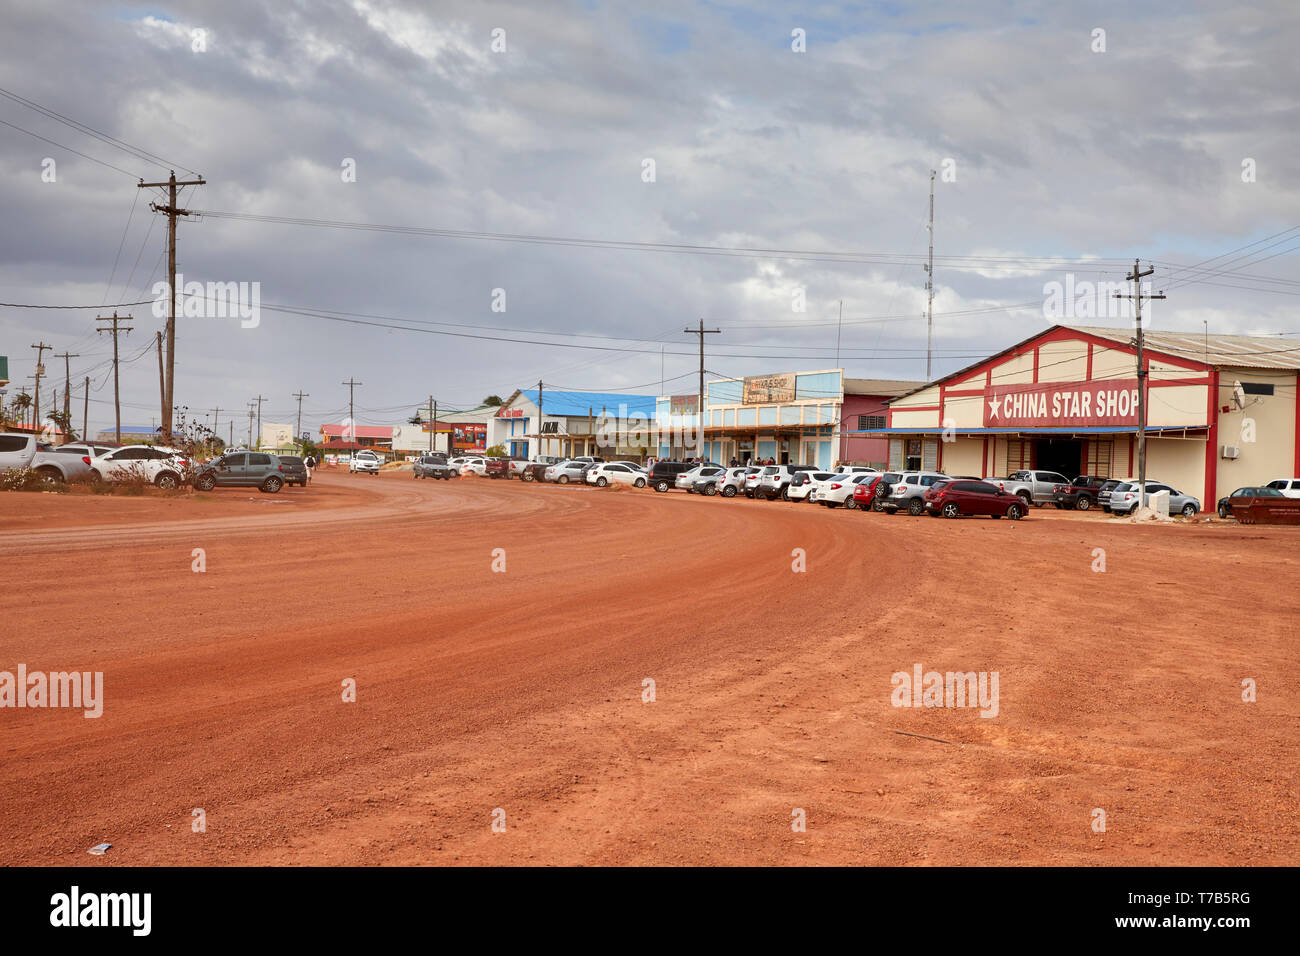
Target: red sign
x=1062 y=404
x=511 y=413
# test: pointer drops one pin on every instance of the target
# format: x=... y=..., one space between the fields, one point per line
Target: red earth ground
x=522 y=690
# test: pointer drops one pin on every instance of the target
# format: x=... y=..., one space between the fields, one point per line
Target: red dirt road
x=522 y=690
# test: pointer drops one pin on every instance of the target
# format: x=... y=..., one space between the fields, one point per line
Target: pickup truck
x=496 y=467
x=1034 y=487
x=1080 y=494
x=432 y=466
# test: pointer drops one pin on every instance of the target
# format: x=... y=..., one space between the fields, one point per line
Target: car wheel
x=661 y=486
x=1223 y=512
x=167 y=480
x=728 y=492
x=95 y=477
x=563 y=479
x=639 y=483
x=271 y=486
x=1083 y=504
x=850 y=504
x=1015 y=512
x=950 y=510
x=915 y=506
x=49 y=475
x=601 y=482
x=1025 y=499
x=1189 y=509
x=527 y=476
x=876 y=505
x=785 y=493
x=205 y=483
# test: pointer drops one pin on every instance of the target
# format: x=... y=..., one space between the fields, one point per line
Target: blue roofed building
x=567 y=424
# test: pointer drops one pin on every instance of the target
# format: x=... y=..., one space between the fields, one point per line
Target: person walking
x=309 y=463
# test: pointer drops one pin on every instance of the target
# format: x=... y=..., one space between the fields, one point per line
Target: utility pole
x=40 y=370
x=1136 y=277
x=352 y=421
x=539 y=417
x=215 y=413
x=117 y=394
x=162 y=379
x=250 y=426
x=298 y=431
x=699 y=408
x=85 y=413
x=67 y=385
x=232 y=431
x=171 y=212
x=259 y=401
x=433 y=424
x=929 y=289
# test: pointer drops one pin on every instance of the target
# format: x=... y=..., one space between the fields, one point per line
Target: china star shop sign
x=1062 y=404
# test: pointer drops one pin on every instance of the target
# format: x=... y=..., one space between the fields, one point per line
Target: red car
x=952 y=499
x=867 y=495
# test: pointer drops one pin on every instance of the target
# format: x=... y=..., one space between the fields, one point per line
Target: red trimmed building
x=1222 y=410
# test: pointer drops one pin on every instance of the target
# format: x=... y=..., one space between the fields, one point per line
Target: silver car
x=687 y=479
x=568 y=471
x=57 y=463
x=909 y=491
x=732 y=480
x=16 y=450
x=1125 y=498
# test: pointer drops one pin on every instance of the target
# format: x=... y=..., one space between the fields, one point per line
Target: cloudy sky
x=1170 y=136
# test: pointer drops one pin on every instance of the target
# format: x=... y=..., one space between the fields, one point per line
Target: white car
x=804 y=484
x=364 y=461
x=16 y=450
x=838 y=490
x=159 y=465
x=616 y=473
x=1290 y=487
x=687 y=479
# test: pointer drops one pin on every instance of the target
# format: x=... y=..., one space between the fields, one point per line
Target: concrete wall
x=1179 y=462
x=1272 y=454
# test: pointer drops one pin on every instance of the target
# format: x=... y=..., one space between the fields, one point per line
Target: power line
x=45 y=139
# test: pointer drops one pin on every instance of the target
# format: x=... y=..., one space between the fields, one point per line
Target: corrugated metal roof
x=361 y=431
x=1240 y=351
x=878 y=386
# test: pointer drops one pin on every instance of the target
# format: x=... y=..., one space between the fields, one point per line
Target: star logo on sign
x=993 y=407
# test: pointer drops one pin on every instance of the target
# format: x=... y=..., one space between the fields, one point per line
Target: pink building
x=864 y=407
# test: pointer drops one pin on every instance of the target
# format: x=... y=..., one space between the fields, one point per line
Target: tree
x=493 y=400
x=496 y=451
x=64 y=423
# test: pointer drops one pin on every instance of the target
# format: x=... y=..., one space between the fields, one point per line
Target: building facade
x=608 y=424
x=1221 y=412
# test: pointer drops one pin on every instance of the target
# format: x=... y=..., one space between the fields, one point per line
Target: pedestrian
x=309 y=463
x=733 y=462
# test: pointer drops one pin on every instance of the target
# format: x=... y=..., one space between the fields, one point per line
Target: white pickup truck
x=1033 y=487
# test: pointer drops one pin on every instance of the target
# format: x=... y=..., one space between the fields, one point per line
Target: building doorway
x=1062 y=455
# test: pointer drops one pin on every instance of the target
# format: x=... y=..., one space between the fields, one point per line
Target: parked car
x=16 y=450
x=908 y=492
x=294 y=470
x=434 y=466
x=1080 y=493
x=1126 y=498
x=662 y=475
x=567 y=472
x=1289 y=487
x=955 y=499
x=839 y=490
x=774 y=480
x=1034 y=487
x=164 y=467
x=251 y=469
x=535 y=470
x=1104 y=492
x=59 y=463
x=364 y=462
x=1250 y=491
x=687 y=479
x=605 y=473
x=517 y=466
x=750 y=485
x=870 y=494
x=801 y=483
x=730 y=482
x=496 y=468
x=818 y=485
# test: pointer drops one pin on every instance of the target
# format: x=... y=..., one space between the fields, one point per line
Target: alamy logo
x=1092 y=300
x=951 y=689
x=74 y=689
x=216 y=300
x=103 y=909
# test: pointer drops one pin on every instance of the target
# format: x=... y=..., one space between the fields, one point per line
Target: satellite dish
x=1238 y=395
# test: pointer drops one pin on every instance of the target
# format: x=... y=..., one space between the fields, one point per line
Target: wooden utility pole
x=67 y=385
x=162 y=378
x=1136 y=277
x=929 y=288
x=433 y=424
x=539 y=416
x=117 y=393
x=699 y=406
x=298 y=431
x=40 y=370
x=250 y=425
x=352 y=421
x=85 y=413
x=171 y=212
x=259 y=401
x=216 y=412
